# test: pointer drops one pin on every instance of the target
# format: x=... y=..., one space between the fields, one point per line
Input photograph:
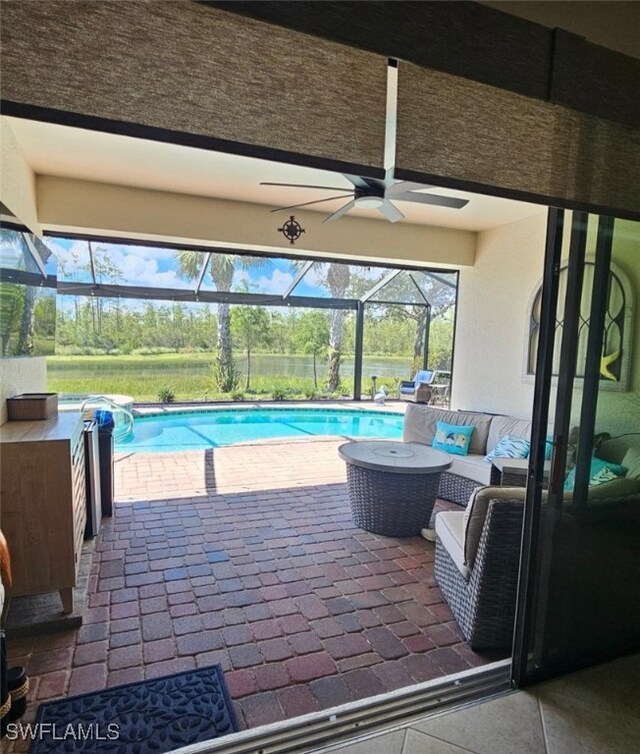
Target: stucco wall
x=27 y=375
x=493 y=315
x=493 y=303
x=17 y=180
x=68 y=205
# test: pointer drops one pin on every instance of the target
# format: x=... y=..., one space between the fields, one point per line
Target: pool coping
x=142 y=410
x=284 y=440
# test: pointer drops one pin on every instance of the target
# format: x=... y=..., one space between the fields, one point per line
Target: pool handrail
x=125 y=428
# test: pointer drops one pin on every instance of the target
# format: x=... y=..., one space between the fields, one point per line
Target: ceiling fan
x=370 y=193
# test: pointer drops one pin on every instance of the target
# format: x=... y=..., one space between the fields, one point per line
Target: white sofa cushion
x=507 y=425
x=471 y=466
x=420 y=425
x=476 y=512
x=631 y=462
x=450 y=529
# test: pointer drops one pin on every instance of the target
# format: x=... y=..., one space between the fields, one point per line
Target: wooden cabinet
x=43 y=503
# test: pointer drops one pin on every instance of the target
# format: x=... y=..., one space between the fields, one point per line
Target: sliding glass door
x=579 y=597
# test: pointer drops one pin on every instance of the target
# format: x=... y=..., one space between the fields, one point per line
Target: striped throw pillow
x=509 y=447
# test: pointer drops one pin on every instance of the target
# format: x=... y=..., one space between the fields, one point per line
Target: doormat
x=149 y=717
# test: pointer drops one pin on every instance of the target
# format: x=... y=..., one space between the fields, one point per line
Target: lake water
x=277 y=365
x=266 y=365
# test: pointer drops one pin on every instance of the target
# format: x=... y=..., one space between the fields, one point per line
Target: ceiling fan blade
x=392 y=213
x=435 y=199
x=306 y=204
x=338 y=213
x=364 y=183
x=304 y=185
x=401 y=187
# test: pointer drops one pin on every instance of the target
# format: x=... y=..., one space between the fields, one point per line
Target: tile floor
x=246 y=556
x=594 y=711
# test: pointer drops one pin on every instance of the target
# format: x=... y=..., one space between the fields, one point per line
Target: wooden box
x=30 y=406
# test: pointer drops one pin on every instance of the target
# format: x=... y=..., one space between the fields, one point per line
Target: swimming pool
x=196 y=430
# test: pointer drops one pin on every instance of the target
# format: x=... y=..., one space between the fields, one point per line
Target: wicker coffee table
x=392 y=485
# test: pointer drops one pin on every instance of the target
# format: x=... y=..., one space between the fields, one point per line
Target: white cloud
x=241 y=279
x=137 y=265
x=277 y=282
x=77 y=250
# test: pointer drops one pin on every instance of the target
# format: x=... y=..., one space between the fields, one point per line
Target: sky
x=158 y=268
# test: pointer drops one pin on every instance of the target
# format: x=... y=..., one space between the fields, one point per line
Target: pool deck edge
x=158 y=409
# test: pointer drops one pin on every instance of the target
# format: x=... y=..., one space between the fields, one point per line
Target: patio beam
x=34 y=253
x=359 y=340
x=387 y=279
x=91 y=262
x=440 y=279
x=213 y=297
x=301 y=273
x=203 y=272
x=421 y=294
x=427 y=336
x=379 y=302
x=22 y=277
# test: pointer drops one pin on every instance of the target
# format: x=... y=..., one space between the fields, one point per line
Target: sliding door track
x=366 y=716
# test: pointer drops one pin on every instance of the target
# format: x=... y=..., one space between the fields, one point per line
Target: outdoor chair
x=418 y=389
x=476 y=564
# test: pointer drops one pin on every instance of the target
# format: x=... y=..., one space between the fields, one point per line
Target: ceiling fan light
x=370 y=202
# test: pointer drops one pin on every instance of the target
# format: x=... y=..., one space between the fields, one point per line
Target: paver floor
x=247 y=556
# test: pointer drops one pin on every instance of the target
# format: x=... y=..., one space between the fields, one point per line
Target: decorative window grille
x=617 y=328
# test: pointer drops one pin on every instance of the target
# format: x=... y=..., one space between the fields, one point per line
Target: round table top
x=398 y=457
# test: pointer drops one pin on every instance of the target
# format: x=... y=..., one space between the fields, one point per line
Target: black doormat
x=150 y=717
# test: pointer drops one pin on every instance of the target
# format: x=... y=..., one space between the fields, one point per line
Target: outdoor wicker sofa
x=476 y=564
x=478 y=553
x=470 y=471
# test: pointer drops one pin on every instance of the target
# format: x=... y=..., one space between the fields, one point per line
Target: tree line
x=87 y=325
x=326 y=335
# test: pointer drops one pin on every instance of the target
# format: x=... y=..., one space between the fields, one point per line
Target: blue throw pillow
x=600 y=473
x=453 y=438
x=509 y=447
x=548 y=449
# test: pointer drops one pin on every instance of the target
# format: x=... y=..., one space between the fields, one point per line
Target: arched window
x=615 y=363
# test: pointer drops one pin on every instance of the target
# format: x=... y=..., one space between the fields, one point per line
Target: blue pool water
x=197 y=430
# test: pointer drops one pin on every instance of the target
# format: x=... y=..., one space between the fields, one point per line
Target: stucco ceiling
x=106 y=158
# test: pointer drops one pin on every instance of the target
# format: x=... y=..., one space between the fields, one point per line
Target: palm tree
x=338 y=277
x=221 y=269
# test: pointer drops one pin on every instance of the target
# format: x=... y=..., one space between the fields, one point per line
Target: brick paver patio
x=247 y=556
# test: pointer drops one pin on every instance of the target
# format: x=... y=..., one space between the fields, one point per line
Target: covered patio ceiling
x=83 y=155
